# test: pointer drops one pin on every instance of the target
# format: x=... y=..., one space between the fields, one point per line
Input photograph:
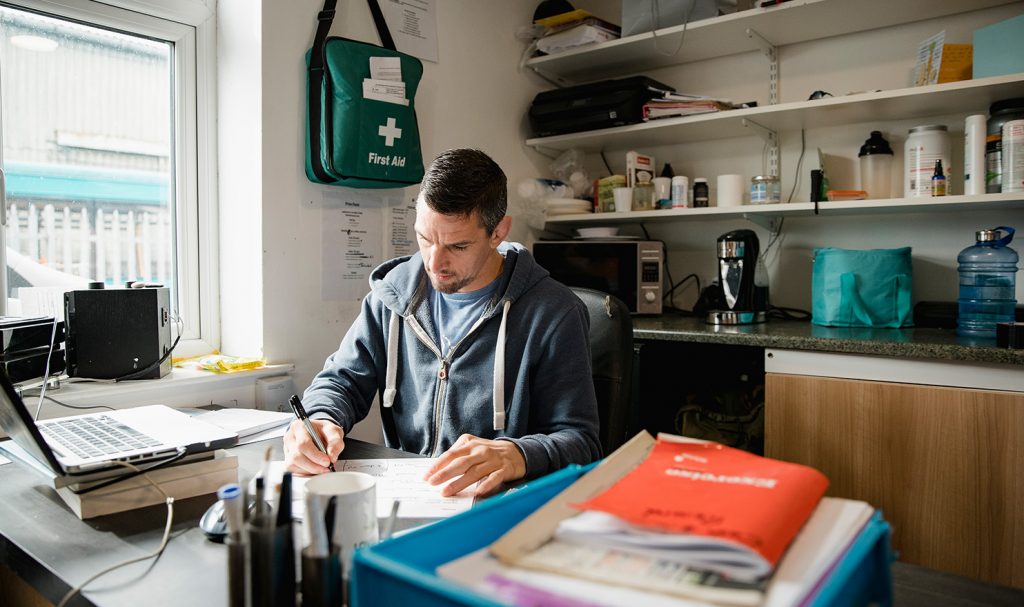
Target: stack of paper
x=674 y=104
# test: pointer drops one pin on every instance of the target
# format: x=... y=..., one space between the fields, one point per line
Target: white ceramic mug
x=355 y=510
x=623 y=199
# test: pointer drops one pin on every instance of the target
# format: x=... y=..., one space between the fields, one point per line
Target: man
x=478 y=355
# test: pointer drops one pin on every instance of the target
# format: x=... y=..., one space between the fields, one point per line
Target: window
x=103 y=116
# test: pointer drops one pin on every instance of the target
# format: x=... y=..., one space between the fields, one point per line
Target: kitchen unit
x=941 y=460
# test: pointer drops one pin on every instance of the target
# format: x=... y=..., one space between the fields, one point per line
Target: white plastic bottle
x=974 y=154
x=925 y=144
x=680 y=192
x=1013 y=156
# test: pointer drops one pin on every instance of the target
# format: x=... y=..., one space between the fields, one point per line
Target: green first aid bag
x=360 y=132
x=869 y=288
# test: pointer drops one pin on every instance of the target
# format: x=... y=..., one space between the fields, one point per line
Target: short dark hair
x=463 y=180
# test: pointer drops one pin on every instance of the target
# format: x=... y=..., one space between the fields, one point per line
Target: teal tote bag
x=862 y=288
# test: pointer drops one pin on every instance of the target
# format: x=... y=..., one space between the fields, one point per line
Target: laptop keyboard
x=96 y=436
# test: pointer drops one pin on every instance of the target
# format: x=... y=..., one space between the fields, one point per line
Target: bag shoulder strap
x=314 y=89
x=318 y=76
x=382 y=26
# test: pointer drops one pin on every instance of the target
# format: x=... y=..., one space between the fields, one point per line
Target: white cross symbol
x=389 y=132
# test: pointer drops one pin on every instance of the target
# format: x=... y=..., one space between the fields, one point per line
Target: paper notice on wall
x=359 y=231
x=413 y=25
x=401 y=233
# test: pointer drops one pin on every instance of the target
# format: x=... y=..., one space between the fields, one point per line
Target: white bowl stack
x=567 y=206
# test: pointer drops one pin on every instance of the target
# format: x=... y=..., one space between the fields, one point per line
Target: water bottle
x=988 y=272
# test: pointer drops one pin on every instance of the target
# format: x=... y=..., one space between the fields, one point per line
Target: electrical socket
x=272 y=393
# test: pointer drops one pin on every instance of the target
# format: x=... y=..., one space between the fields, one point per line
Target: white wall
x=474 y=96
x=879 y=59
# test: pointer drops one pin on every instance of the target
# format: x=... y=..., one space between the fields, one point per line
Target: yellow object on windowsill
x=219 y=363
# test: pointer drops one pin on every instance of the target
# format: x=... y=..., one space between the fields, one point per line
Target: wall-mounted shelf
x=901 y=104
x=766 y=214
x=793 y=22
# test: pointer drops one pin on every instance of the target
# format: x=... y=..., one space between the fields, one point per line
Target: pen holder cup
x=321 y=580
x=237 y=582
x=271 y=565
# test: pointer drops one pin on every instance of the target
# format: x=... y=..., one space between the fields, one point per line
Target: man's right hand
x=300 y=453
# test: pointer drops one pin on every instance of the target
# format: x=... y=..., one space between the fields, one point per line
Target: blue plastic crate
x=401 y=571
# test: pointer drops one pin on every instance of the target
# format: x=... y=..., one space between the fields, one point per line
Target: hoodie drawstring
x=499 y=371
x=392 y=370
x=390 y=389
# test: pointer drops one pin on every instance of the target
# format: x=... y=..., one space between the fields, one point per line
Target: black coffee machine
x=744 y=294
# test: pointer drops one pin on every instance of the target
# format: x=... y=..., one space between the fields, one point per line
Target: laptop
x=71 y=447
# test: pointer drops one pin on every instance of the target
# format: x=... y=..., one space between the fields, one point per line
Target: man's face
x=458 y=253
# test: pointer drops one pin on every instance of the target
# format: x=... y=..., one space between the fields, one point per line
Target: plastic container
x=974 y=154
x=988 y=277
x=999 y=113
x=643 y=193
x=700 y=192
x=876 y=166
x=680 y=192
x=1013 y=156
x=925 y=144
x=765 y=189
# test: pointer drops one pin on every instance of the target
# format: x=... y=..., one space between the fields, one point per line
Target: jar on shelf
x=925 y=144
x=765 y=189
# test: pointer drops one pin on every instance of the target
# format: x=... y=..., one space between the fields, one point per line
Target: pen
x=284 y=506
x=301 y=414
x=389 y=525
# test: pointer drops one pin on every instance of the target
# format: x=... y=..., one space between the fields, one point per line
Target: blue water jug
x=988 y=272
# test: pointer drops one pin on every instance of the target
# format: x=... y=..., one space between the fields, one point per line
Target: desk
x=47 y=546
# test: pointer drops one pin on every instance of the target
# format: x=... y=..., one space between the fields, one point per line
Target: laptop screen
x=19 y=425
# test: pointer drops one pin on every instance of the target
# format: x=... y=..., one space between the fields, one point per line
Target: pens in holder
x=233 y=498
x=389 y=524
x=300 y=413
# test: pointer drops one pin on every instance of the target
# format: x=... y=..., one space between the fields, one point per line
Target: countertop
x=934 y=344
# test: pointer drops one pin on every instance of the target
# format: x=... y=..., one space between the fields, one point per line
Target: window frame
x=191 y=27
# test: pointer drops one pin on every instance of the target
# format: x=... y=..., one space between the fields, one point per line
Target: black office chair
x=611 y=355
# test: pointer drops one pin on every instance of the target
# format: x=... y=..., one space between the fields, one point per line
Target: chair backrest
x=611 y=356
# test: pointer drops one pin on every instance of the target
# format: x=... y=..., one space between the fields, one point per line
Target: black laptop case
x=597 y=105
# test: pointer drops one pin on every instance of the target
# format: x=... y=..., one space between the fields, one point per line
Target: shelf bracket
x=772 y=54
x=768 y=222
x=772 y=139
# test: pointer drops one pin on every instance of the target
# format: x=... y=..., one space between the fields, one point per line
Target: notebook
x=84 y=444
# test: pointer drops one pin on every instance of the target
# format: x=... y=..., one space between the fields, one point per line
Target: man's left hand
x=472 y=459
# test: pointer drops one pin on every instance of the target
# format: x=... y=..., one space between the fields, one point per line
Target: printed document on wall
x=351 y=225
x=360 y=230
x=400 y=226
x=413 y=25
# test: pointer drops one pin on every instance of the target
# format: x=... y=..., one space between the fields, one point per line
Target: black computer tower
x=114 y=333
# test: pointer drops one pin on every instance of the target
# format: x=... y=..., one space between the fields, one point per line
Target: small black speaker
x=114 y=333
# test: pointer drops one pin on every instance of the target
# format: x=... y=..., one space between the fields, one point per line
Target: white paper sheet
x=400 y=479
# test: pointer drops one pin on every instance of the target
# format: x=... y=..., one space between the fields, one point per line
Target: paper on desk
x=246 y=422
x=400 y=479
x=4 y=460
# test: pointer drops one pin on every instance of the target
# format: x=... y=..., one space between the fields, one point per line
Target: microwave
x=628 y=269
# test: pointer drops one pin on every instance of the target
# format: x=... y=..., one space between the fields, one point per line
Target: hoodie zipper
x=442 y=371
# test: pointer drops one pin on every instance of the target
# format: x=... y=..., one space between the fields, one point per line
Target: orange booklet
x=685 y=491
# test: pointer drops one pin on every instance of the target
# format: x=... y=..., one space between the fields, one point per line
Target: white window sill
x=180 y=388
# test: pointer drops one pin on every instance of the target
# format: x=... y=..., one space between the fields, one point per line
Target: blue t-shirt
x=455 y=313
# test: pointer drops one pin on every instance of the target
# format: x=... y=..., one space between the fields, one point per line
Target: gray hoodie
x=522 y=373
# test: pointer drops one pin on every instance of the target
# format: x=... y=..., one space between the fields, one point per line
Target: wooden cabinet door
x=945 y=465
